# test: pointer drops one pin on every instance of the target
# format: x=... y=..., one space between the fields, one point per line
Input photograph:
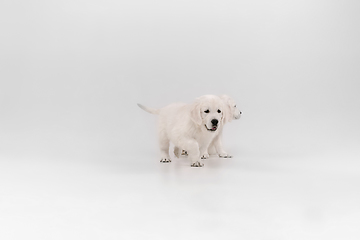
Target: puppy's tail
x=149 y=110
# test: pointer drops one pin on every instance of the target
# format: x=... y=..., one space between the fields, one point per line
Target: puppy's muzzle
x=214 y=127
x=237 y=116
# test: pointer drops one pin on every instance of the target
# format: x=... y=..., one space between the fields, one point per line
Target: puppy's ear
x=227 y=113
x=195 y=113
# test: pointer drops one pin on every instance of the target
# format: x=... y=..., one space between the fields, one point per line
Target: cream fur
x=188 y=126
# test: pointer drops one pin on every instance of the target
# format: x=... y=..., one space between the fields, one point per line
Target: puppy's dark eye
x=219 y=111
x=206 y=111
x=234 y=105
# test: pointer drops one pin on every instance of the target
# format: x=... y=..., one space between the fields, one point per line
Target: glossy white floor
x=251 y=196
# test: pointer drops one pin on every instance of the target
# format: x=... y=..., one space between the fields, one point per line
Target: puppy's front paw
x=165 y=160
x=184 y=153
x=205 y=156
x=197 y=164
x=225 y=155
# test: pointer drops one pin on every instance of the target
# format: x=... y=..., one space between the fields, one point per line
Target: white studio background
x=79 y=159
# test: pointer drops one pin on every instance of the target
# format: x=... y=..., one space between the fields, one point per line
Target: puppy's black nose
x=214 y=122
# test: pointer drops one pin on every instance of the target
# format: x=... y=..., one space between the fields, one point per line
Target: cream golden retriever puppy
x=190 y=126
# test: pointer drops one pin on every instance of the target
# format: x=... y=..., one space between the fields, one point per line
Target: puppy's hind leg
x=164 y=148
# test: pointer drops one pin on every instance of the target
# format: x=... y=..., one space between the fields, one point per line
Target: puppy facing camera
x=196 y=128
